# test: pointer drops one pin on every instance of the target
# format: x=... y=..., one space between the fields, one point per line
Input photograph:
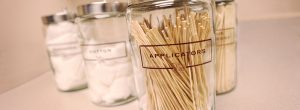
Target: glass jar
x=107 y=53
x=62 y=41
x=226 y=41
x=173 y=45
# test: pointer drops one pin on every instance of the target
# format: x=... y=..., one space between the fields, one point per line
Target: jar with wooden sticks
x=226 y=46
x=173 y=48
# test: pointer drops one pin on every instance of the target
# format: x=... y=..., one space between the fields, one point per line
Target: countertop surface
x=268 y=76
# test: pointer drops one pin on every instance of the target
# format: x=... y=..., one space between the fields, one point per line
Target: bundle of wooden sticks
x=181 y=87
x=226 y=48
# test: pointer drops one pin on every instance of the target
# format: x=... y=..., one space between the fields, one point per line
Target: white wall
x=267 y=9
x=22 y=51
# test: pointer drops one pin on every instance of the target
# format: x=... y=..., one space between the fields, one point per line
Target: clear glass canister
x=226 y=41
x=173 y=45
x=62 y=41
x=107 y=53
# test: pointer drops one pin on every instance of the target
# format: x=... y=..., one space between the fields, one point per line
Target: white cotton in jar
x=111 y=82
x=121 y=88
x=63 y=45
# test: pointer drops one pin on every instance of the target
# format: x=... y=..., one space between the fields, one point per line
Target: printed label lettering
x=64 y=49
x=105 y=51
x=189 y=52
x=225 y=36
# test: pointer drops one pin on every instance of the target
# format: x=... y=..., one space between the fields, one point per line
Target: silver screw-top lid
x=95 y=8
x=58 y=17
x=224 y=0
x=162 y=2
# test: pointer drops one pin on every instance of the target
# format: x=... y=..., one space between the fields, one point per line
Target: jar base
x=122 y=102
x=81 y=87
x=227 y=91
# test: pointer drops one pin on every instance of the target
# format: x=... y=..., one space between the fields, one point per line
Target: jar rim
x=95 y=8
x=58 y=17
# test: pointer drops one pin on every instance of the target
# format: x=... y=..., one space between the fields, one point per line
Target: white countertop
x=269 y=76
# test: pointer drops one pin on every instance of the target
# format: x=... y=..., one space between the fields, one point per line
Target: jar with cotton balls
x=63 y=44
x=106 y=51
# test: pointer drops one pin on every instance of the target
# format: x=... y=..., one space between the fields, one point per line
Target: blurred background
x=22 y=50
x=23 y=54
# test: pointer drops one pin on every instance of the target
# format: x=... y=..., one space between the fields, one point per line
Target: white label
x=105 y=51
x=64 y=49
x=193 y=50
x=225 y=37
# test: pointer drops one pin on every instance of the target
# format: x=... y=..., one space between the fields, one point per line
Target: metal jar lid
x=95 y=8
x=58 y=17
x=224 y=0
x=160 y=2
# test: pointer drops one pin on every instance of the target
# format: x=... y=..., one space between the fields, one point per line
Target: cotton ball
x=120 y=89
x=76 y=72
x=69 y=72
x=125 y=68
x=98 y=82
x=96 y=94
x=102 y=73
